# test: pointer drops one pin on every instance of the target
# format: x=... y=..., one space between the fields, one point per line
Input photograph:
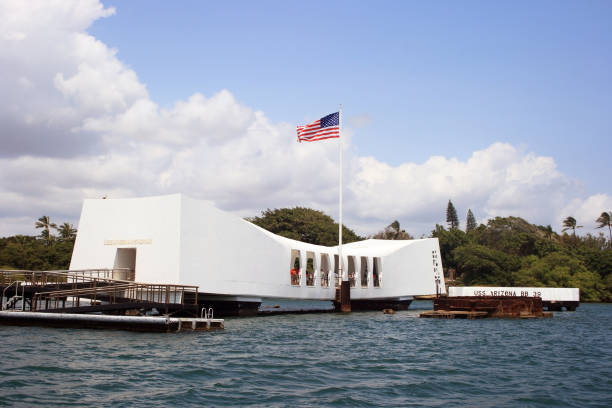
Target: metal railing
x=16 y=283
x=118 y=293
x=60 y=277
x=95 y=285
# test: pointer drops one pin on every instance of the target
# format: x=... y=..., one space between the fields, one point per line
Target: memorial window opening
x=294 y=267
x=310 y=281
x=376 y=272
x=325 y=269
x=351 y=271
x=364 y=271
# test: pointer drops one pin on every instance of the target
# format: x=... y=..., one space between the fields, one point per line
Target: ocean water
x=364 y=359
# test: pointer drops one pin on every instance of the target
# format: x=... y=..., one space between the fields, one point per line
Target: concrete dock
x=97 y=321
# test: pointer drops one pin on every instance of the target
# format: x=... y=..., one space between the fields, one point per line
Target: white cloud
x=78 y=123
x=497 y=181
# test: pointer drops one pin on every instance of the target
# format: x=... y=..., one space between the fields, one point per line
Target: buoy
x=388 y=311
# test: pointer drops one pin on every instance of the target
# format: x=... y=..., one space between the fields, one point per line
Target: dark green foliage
x=480 y=265
x=561 y=270
x=393 y=231
x=596 y=260
x=25 y=252
x=470 y=222
x=451 y=216
x=514 y=235
x=304 y=224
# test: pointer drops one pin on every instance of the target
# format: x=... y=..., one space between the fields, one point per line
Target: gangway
x=95 y=290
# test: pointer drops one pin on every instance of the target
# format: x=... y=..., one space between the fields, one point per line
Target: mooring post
x=345 y=296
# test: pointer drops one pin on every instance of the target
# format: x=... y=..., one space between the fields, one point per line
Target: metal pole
x=345 y=288
x=340 y=269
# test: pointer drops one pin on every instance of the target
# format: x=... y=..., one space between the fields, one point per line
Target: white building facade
x=175 y=239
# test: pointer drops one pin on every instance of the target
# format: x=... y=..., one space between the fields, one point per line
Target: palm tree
x=548 y=231
x=570 y=223
x=604 y=220
x=45 y=223
x=67 y=232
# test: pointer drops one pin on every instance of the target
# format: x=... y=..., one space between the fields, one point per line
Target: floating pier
x=477 y=307
x=95 y=321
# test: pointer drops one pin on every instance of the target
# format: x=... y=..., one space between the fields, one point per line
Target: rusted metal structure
x=553 y=299
x=487 y=306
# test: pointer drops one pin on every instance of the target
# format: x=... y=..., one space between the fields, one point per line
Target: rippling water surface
x=360 y=359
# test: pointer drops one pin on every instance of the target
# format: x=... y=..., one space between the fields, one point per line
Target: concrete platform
x=96 y=321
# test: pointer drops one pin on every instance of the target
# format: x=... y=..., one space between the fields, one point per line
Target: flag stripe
x=314 y=131
x=320 y=138
x=321 y=133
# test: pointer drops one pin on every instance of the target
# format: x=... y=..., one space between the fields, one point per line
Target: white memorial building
x=175 y=239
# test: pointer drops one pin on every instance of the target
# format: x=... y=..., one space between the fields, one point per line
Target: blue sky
x=425 y=78
x=503 y=107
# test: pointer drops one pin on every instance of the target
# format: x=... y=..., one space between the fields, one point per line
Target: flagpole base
x=345 y=297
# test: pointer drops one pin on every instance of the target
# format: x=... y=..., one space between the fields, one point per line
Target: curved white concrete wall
x=188 y=241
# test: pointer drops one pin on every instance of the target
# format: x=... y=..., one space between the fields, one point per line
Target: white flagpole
x=342 y=273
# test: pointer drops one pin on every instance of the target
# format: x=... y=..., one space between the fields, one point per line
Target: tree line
x=50 y=250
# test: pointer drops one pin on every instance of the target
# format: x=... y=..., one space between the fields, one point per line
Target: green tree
x=393 y=231
x=448 y=241
x=67 y=232
x=511 y=235
x=570 y=223
x=479 y=265
x=547 y=230
x=605 y=220
x=470 y=223
x=304 y=224
x=45 y=223
x=451 y=216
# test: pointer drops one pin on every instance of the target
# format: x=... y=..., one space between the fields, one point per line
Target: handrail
x=206 y=314
x=109 y=288
x=75 y=275
x=132 y=292
x=5 y=289
x=101 y=285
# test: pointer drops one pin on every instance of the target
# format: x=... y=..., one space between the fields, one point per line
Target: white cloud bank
x=76 y=123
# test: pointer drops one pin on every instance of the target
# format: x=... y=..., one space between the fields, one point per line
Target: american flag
x=328 y=127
